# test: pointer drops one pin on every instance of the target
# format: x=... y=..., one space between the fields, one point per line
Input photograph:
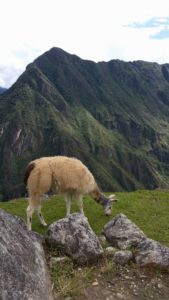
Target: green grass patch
x=147 y=209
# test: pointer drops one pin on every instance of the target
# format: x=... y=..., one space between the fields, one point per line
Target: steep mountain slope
x=112 y=115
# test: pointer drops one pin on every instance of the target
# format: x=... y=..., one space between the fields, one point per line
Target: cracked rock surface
x=23 y=270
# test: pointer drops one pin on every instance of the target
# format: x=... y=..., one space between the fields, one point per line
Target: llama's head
x=108 y=204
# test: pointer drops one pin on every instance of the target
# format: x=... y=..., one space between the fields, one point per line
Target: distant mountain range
x=2 y=90
x=113 y=115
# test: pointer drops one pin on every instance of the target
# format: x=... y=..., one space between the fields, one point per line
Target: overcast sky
x=99 y=30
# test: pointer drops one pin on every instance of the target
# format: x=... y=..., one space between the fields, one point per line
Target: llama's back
x=40 y=177
x=71 y=175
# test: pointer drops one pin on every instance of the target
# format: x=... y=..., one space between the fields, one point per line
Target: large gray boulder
x=152 y=253
x=122 y=233
x=23 y=271
x=75 y=238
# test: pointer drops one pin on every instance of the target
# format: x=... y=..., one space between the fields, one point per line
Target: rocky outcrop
x=122 y=233
x=23 y=271
x=152 y=253
x=75 y=238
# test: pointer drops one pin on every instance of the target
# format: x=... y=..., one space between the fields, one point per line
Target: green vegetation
x=112 y=115
x=147 y=209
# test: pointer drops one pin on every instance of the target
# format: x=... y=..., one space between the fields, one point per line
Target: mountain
x=2 y=90
x=113 y=115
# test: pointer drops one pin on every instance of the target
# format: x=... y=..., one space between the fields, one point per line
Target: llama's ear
x=112 y=198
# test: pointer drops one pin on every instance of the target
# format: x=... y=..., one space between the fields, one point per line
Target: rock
x=123 y=257
x=23 y=270
x=119 y=296
x=152 y=253
x=95 y=283
x=74 y=236
x=58 y=260
x=160 y=286
x=110 y=251
x=122 y=233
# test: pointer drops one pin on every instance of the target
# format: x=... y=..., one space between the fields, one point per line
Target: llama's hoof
x=44 y=224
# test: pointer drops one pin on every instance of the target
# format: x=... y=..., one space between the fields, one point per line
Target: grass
x=149 y=210
x=71 y=281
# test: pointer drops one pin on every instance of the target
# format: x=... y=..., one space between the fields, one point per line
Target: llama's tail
x=29 y=169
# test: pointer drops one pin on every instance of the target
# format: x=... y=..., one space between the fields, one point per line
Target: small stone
x=160 y=286
x=95 y=283
x=123 y=257
x=127 y=277
x=55 y=260
x=119 y=296
x=110 y=251
x=143 y=276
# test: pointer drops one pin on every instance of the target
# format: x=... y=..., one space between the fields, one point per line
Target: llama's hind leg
x=79 y=199
x=68 y=200
x=34 y=205
x=40 y=216
x=30 y=210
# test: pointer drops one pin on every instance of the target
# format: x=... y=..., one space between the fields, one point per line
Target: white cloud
x=92 y=29
x=8 y=75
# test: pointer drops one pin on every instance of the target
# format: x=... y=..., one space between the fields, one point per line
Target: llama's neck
x=98 y=196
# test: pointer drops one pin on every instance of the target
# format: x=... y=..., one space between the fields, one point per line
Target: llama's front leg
x=79 y=199
x=68 y=200
x=40 y=216
x=29 y=211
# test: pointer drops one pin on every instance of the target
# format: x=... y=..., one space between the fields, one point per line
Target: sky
x=98 y=30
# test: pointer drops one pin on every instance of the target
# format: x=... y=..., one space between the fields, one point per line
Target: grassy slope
x=148 y=209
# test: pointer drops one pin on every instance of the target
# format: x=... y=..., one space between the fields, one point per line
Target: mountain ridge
x=112 y=115
x=2 y=90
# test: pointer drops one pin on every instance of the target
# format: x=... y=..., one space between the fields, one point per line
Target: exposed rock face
x=122 y=233
x=74 y=236
x=23 y=271
x=152 y=253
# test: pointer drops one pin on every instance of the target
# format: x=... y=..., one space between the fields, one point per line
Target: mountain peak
x=111 y=115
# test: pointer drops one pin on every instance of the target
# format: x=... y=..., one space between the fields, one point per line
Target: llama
x=69 y=176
